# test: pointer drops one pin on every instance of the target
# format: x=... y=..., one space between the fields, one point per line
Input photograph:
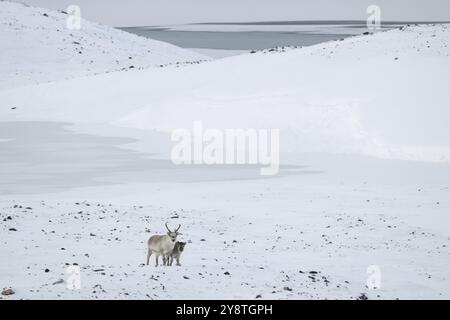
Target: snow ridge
x=36 y=46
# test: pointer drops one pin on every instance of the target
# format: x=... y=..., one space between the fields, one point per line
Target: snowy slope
x=383 y=95
x=36 y=46
x=70 y=199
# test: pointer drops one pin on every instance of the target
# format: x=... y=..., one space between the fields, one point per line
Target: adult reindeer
x=162 y=245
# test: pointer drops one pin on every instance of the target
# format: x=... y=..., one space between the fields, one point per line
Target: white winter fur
x=162 y=245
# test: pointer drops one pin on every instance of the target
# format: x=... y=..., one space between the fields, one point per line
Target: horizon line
x=296 y=22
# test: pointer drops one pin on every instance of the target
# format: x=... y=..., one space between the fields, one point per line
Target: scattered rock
x=287 y=289
x=7 y=291
x=60 y=281
x=363 y=296
x=12 y=229
x=47 y=270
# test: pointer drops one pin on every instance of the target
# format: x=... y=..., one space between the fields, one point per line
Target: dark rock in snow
x=7 y=291
x=363 y=297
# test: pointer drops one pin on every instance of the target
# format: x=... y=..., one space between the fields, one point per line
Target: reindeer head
x=173 y=234
x=181 y=246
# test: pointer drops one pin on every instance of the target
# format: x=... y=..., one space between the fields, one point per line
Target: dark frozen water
x=236 y=40
x=312 y=32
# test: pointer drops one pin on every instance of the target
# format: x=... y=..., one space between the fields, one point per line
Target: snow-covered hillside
x=36 y=46
x=383 y=95
x=85 y=180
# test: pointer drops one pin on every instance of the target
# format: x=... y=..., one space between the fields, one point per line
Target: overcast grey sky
x=160 y=12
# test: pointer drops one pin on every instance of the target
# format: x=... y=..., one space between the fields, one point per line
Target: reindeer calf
x=176 y=253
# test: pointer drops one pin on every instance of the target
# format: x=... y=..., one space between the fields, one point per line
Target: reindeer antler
x=167 y=227
x=179 y=226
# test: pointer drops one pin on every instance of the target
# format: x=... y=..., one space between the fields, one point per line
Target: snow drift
x=383 y=95
x=36 y=46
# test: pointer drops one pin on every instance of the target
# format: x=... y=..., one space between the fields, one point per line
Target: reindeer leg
x=149 y=253
x=157 y=256
x=178 y=261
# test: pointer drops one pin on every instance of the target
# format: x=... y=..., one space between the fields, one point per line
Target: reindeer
x=176 y=253
x=162 y=245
